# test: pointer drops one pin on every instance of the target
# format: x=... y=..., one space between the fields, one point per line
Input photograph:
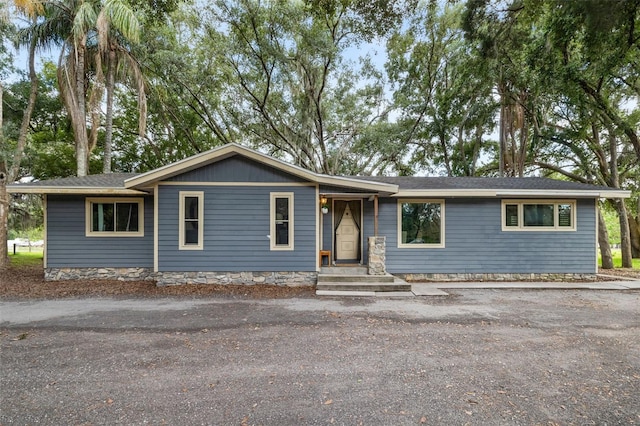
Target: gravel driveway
x=474 y=357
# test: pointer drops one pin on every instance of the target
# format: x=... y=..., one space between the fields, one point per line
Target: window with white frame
x=191 y=229
x=538 y=215
x=114 y=217
x=420 y=223
x=281 y=221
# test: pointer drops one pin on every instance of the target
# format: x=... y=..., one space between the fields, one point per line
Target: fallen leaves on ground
x=28 y=283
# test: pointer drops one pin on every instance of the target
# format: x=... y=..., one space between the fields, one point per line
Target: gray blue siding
x=475 y=243
x=236 y=169
x=68 y=247
x=236 y=225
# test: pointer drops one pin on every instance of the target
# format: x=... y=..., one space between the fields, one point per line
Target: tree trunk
x=9 y=173
x=4 y=202
x=108 y=137
x=625 y=241
x=603 y=242
x=4 y=219
x=634 y=236
x=79 y=116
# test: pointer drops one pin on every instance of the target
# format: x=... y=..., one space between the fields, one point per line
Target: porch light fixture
x=324 y=205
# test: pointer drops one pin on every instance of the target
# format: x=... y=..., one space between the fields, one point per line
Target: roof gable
x=149 y=179
x=236 y=169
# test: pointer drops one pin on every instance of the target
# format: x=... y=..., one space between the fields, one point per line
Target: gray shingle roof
x=471 y=183
x=110 y=180
x=114 y=182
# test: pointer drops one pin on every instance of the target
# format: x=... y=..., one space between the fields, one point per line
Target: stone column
x=376 y=261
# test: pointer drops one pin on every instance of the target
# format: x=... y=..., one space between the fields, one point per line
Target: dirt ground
x=28 y=282
x=474 y=357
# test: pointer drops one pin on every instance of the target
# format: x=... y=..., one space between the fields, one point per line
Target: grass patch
x=617 y=259
x=25 y=258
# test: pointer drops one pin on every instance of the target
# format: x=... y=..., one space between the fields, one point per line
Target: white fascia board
x=432 y=193
x=228 y=150
x=523 y=193
x=24 y=189
x=564 y=193
x=356 y=183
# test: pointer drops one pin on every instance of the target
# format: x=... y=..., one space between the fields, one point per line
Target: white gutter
x=79 y=190
x=527 y=193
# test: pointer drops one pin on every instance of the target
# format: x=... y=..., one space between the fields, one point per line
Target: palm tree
x=73 y=24
x=113 y=51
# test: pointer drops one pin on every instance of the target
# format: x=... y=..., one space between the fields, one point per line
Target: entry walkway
x=354 y=281
x=427 y=289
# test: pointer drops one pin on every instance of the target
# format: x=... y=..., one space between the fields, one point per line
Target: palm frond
x=123 y=19
x=85 y=19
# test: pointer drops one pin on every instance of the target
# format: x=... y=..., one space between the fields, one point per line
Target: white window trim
x=399 y=223
x=522 y=228
x=272 y=221
x=181 y=244
x=110 y=200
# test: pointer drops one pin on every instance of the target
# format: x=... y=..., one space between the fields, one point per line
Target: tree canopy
x=468 y=88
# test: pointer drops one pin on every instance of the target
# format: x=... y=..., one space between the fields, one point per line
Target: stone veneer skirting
x=498 y=277
x=292 y=279
x=120 y=274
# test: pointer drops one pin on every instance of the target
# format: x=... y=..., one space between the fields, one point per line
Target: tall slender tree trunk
x=4 y=199
x=603 y=242
x=9 y=173
x=108 y=137
x=625 y=241
x=79 y=116
x=621 y=208
x=634 y=230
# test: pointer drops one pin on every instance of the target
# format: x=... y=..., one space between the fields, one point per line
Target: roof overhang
x=149 y=179
x=511 y=193
x=91 y=190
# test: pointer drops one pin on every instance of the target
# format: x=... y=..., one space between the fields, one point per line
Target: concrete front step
x=363 y=286
x=344 y=270
x=330 y=278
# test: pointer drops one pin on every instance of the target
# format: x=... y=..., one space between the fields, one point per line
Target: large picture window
x=420 y=223
x=114 y=217
x=281 y=218
x=191 y=220
x=538 y=215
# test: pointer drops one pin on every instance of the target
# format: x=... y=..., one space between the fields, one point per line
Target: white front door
x=347 y=237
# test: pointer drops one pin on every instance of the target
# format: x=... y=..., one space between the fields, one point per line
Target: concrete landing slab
x=600 y=285
x=394 y=294
x=344 y=293
x=631 y=285
x=427 y=290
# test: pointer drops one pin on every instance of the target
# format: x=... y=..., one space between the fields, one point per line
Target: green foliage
x=24 y=258
x=443 y=92
x=617 y=260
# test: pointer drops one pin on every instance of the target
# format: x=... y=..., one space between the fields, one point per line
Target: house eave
x=564 y=193
x=501 y=193
x=24 y=189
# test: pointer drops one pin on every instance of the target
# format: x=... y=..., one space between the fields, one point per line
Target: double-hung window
x=281 y=220
x=420 y=223
x=191 y=220
x=538 y=215
x=114 y=217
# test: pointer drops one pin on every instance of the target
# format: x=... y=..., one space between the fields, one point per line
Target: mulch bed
x=29 y=283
